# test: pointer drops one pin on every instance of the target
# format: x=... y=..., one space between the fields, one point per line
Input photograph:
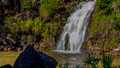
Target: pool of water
x=75 y=59
x=72 y=60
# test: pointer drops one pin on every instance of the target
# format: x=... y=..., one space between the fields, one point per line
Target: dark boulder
x=6 y=66
x=47 y=61
x=26 y=59
x=30 y=58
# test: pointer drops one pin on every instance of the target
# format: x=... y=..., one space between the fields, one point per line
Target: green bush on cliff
x=47 y=6
x=104 y=5
x=9 y=20
x=38 y=25
x=116 y=25
x=26 y=4
x=35 y=26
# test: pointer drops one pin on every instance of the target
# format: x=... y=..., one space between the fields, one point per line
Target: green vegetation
x=116 y=25
x=63 y=66
x=34 y=26
x=105 y=21
x=47 y=7
x=26 y=4
x=114 y=42
x=104 y=5
x=9 y=20
x=31 y=27
x=106 y=61
x=92 y=61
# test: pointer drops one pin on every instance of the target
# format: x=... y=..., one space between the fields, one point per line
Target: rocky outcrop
x=9 y=8
x=62 y=12
x=30 y=58
x=19 y=42
x=10 y=5
x=27 y=14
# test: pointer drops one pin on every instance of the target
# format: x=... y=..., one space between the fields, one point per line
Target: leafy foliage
x=92 y=61
x=26 y=4
x=35 y=26
x=47 y=6
x=104 y=5
x=116 y=25
x=107 y=60
x=9 y=20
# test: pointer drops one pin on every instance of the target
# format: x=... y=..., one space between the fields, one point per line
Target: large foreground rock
x=6 y=66
x=47 y=61
x=30 y=58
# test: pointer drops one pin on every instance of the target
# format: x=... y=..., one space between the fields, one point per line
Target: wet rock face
x=30 y=58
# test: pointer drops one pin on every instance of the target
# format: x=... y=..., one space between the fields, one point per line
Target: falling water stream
x=74 y=31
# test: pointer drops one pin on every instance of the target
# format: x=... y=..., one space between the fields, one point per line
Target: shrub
x=26 y=4
x=38 y=25
x=105 y=6
x=9 y=20
x=13 y=32
x=47 y=6
x=116 y=25
x=31 y=25
x=47 y=31
x=92 y=61
x=107 y=61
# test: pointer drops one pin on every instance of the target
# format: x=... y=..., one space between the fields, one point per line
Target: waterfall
x=74 y=31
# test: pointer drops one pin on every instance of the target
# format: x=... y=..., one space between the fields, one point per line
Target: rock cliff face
x=8 y=8
x=12 y=8
x=101 y=33
x=98 y=33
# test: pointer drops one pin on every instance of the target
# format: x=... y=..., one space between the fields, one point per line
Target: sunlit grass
x=8 y=57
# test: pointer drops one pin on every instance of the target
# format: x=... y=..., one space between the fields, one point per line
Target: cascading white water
x=73 y=34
